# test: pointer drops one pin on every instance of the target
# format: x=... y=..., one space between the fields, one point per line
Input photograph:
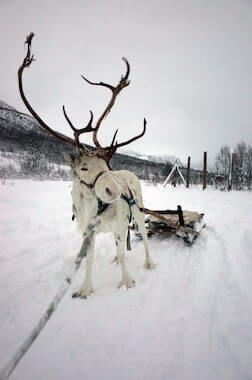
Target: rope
x=10 y=366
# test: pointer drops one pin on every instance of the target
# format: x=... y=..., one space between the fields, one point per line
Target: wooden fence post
x=204 y=170
x=231 y=164
x=188 y=171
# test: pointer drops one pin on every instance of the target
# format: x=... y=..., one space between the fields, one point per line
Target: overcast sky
x=191 y=65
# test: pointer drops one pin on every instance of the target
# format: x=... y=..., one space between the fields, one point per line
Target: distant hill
x=163 y=158
x=34 y=150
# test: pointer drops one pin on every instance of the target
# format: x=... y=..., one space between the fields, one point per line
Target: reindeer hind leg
x=139 y=218
x=127 y=280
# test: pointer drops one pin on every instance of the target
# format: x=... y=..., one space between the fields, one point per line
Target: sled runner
x=184 y=224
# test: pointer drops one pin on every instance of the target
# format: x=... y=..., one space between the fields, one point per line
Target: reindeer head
x=94 y=174
x=91 y=166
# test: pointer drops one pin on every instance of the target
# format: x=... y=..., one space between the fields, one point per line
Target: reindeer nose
x=108 y=191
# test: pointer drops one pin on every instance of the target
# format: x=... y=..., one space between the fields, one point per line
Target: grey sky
x=191 y=65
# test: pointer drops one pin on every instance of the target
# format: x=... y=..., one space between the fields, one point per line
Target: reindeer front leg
x=87 y=249
x=127 y=280
x=86 y=288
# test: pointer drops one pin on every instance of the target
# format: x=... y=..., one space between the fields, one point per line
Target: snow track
x=190 y=318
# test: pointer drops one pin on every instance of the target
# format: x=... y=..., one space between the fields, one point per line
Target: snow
x=190 y=318
x=164 y=158
x=6 y=162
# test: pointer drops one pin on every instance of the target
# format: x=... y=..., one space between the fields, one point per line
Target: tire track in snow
x=233 y=328
x=194 y=304
x=220 y=298
x=180 y=275
x=200 y=293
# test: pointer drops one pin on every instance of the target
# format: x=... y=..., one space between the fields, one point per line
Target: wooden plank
x=168 y=222
x=188 y=171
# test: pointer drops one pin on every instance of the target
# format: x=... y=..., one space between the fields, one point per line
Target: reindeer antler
x=28 y=59
x=78 y=132
x=124 y=82
x=115 y=91
x=104 y=152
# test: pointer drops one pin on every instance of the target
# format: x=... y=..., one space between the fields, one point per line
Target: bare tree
x=222 y=161
x=239 y=165
x=248 y=160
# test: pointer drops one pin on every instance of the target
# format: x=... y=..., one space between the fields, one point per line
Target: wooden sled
x=184 y=224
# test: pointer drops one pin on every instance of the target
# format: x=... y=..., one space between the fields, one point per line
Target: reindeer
x=102 y=200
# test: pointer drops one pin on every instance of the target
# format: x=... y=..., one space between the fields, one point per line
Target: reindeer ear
x=70 y=158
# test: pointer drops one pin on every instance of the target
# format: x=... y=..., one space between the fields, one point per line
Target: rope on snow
x=10 y=366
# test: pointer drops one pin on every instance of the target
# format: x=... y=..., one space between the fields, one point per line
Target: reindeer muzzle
x=106 y=188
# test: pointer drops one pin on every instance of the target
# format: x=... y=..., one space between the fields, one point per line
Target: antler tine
x=28 y=59
x=78 y=132
x=67 y=119
x=114 y=137
x=108 y=153
x=98 y=83
x=110 y=150
x=130 y=140
x=115 y=91
x=125 y=78
x=123 y=81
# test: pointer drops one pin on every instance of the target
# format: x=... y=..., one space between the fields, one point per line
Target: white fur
x=108 y=187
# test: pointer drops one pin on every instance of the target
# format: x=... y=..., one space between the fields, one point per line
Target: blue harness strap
x=131 y=201
x=103 y=206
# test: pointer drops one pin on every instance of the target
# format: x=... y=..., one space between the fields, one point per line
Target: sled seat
x=184 y=224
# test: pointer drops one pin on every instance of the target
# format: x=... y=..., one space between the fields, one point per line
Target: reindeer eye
x=84 y=169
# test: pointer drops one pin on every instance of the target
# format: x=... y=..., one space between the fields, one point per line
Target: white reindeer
x=103 y=200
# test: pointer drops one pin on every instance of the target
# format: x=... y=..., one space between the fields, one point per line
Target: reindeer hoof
x=149 y=265
x=129 y=283
x=115 y=260
x=83 y=294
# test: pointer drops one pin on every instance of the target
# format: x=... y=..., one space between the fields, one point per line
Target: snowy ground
x=190 y=318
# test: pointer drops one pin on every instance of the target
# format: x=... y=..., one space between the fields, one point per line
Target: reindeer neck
x=81 y=190
x=85 y=203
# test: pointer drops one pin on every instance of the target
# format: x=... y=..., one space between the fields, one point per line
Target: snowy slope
x=164 y=158
x=5 y=106
x=190 y=318
x=11 y=118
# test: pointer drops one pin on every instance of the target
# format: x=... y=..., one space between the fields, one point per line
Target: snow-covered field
x=190 y=318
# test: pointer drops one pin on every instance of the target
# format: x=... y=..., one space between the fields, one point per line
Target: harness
x=91 y=185
x=102 y=206
x=131 y=202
